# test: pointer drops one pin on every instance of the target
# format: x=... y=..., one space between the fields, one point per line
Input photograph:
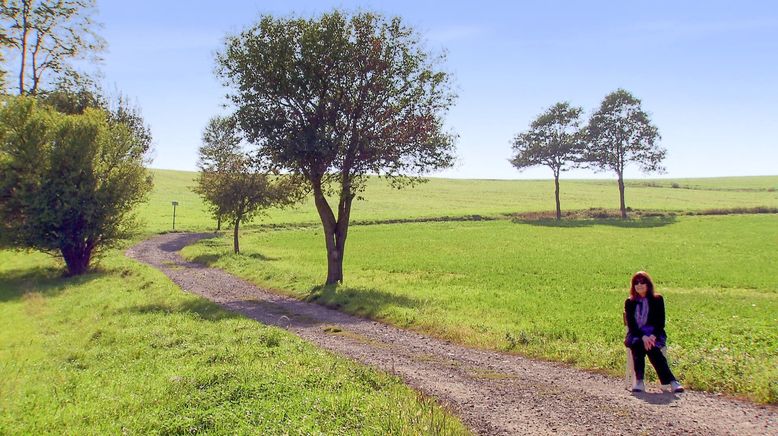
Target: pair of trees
x=334 y=99
x=618 y=133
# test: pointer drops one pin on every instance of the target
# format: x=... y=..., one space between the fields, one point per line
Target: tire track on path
x=493 y=393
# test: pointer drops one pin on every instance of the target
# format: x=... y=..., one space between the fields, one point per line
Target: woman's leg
x=639 y=360
x=659 y=362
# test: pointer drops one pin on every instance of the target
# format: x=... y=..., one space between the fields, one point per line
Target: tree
x=47 y=35
x=335 y=99
x=230 y=183
x=554 y=139
x=68 y=183
x=621 y=132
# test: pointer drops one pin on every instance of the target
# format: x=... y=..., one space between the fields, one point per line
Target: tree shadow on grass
x=363 y=302
x=203 y=309
x=212 y=258
x=45 y=281
x=634 y=223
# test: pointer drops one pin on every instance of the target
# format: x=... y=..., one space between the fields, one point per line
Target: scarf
x=641 y=312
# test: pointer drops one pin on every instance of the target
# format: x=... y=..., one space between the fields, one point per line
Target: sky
x=706 y=71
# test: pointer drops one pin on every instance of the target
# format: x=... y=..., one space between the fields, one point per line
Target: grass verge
x=122 y=350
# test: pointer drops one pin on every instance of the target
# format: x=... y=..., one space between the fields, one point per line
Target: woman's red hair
x=649 y=293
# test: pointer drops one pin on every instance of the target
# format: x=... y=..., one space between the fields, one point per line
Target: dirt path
x=493 y=393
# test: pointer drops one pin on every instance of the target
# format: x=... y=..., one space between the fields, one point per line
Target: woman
x=645 y=316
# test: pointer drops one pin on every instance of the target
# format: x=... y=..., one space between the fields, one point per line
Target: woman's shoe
x=638 y=386
x=676 y=387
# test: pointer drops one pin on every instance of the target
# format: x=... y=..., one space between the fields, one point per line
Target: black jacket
x=656 y=316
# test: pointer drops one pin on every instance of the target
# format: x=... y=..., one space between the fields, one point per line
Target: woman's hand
x=649 y=342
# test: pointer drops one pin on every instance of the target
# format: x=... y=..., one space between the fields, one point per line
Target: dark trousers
x=657 y=359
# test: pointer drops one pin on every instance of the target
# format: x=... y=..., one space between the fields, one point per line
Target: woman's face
x=641 y=286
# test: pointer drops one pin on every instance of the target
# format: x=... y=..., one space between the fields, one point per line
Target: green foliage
x=619 y=133
x=554 y=140
x=47 y=36
x=335 y=98
x=552 y=290
x=68 y=183
x=123 y=350
x=230 y=182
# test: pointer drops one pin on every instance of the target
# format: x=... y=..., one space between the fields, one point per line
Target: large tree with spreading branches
x=620 y=133
x=555 y=140
x=337 y=98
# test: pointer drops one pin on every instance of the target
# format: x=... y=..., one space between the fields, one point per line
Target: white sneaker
x=638 y=386
x=676 y=387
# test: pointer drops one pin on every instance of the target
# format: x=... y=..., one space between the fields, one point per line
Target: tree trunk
x=621 y=197
x=23 y=48
x=556 y=194
x=77 y=258
x=335 y=232
x=235 y=244
x=218 y=223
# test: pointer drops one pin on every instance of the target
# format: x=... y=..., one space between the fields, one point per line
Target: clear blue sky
x=707 y=71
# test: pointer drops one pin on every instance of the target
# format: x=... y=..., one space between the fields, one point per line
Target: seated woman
x=645 y=316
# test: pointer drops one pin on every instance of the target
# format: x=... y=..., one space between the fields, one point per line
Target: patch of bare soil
x=493 y=393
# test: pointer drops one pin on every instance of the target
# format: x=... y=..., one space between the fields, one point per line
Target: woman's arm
x=659 y=316
x=632 y=324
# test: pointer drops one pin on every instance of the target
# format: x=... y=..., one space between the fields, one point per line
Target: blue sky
x=706 y=71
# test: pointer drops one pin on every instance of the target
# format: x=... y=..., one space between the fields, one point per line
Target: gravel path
x=493 y=393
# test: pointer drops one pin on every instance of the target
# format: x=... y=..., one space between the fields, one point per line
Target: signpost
x=175 y=203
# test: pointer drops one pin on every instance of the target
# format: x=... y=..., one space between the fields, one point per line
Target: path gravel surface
x=492 y=392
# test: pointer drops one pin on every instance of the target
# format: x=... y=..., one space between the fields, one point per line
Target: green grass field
x=554 y=292
x=456 y=198
x=123 y=348
x=124 y=351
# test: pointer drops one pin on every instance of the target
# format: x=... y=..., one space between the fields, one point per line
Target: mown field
x=123 y=348
x=545 y=289
x=554 y=292
x=124 y=351
x=489 y=198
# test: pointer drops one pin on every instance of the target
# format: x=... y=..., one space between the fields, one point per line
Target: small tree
x=621 y=132
x=335 y=99
x=47 y=35
x=230 y=183
x=68 y=183
x=554 y=140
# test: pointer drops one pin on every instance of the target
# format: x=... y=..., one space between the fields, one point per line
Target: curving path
x=493 y=393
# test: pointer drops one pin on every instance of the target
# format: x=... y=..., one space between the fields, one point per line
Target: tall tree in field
x=555 y=140
x=620 y=132
x=68 y=183
x=45 y=36
x=335 y=99
x=230 y=183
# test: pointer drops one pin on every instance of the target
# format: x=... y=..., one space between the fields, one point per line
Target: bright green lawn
x=551 y=291
x=451 y=197
x=123 y=351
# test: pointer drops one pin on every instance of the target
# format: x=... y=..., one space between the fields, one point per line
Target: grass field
x=124 y=351
x=550 y=291
x=456 y=198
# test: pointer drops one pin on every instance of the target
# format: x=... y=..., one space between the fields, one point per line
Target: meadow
x=551 y=291
x=461 y=198
x=123 y=351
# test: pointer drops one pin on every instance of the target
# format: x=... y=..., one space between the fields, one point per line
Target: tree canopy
x=336 y=98
x=68 y=183
x=621 y=132
x=554 y=139
x=45 y=36
x=230 y=182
